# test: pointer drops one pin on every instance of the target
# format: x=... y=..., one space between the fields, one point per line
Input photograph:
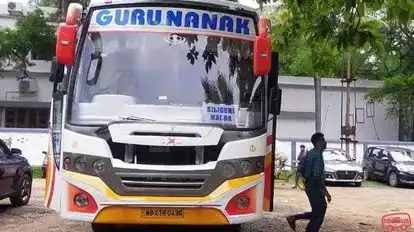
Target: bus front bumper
x=237 y=201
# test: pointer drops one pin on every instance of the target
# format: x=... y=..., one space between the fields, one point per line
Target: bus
x=163 y=112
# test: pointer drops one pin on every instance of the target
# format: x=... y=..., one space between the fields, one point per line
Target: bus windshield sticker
x=177 y=20
x=220 y=113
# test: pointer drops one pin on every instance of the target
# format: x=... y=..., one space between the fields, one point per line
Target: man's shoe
x=294 y=187
x=292 y=222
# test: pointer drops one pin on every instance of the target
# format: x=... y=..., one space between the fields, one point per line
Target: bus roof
x=227 y=3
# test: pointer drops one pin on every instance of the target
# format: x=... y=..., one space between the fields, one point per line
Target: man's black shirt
x=314 y=172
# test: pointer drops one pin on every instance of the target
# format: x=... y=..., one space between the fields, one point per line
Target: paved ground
x=352 y=209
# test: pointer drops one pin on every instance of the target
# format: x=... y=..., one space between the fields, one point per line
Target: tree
x=397 y=66
x=32 y=35
x=398 y=92
x=355 y=27
x=46 y=3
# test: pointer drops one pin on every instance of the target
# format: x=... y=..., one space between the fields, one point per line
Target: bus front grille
x=163 y=182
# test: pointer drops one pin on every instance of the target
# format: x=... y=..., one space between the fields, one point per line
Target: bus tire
x=233 y=228
x=98 y=227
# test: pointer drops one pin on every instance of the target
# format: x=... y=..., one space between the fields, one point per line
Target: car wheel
x=393 y=179
x=366 y=174
x=358 y=184
x=23 y=191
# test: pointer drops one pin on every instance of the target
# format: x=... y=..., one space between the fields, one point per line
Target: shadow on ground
x=152 y=228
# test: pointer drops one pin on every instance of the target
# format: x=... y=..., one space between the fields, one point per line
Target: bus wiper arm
x=136 y=118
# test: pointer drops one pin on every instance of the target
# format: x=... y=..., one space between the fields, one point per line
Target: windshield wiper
x=136 y=118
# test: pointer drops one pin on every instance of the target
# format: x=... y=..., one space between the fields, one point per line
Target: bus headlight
x=80 y=163
x=246 y=167
x=228 y=170
x=99 y=166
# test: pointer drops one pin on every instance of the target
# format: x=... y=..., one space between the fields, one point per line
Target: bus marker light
x=66 y=162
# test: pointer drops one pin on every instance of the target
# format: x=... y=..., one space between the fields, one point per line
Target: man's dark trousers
x=318 y=204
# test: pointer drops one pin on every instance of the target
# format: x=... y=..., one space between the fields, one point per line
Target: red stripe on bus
x=269 y=140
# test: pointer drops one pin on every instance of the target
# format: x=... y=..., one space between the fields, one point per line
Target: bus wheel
x=96 y=227
x=232 y=228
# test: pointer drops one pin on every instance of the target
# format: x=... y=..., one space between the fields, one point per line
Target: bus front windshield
x=171 y=77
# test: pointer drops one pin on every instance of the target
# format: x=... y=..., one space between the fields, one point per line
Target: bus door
x=53 y=176
x=274 y=94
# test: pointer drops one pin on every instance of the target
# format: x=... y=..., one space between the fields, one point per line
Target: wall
x=297 y=119
x=31 y=141
x=9 y=88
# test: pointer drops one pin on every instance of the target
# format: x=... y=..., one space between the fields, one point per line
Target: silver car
x=340 y=168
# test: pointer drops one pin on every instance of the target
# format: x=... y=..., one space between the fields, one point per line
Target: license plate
x=162 y=213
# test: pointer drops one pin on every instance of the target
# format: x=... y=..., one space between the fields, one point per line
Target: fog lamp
x=81 y=200
x=243 y=202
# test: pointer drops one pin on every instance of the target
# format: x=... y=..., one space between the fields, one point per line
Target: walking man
x=301 y=156
x=314 y=174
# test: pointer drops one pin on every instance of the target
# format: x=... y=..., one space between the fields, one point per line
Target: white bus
x=161 y=114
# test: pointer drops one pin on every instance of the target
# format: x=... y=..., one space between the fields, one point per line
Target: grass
x=370 y=183
x=37 y=172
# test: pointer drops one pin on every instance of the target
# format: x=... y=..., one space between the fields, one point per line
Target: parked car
x=15 y=176
x=44 y=165
x=392 y=164
x=341 y=168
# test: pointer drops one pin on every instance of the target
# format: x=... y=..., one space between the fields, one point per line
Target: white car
x=340 y=168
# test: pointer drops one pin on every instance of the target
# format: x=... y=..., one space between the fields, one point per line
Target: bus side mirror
x=66 y=44
x=95 y=65
x=56 y=71
x=275 y=101
x=274 y=71
x=262 y=49
x=262 y=57
x=275 y=93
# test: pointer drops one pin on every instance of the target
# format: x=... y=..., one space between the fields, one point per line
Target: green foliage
x=31 y=34
x=398 y=91
x=316 y=37
x=37 y=172
x=394 y=9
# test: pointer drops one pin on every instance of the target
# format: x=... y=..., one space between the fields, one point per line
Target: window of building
x=27 y=117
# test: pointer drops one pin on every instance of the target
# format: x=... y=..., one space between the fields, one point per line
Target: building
x=23 y=105
x=297 y=119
